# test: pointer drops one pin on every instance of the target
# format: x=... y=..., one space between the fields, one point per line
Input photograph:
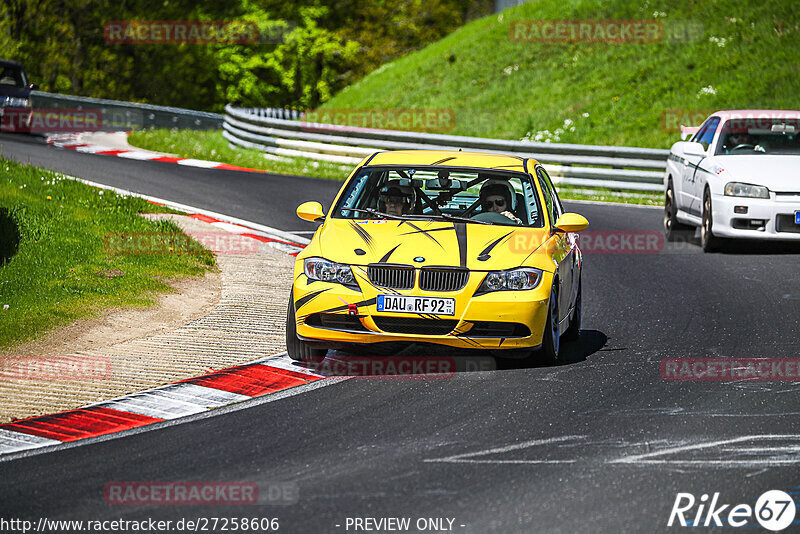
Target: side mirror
x=694 y=149
x=311 y=211
x=34 y=87
x=571 y=222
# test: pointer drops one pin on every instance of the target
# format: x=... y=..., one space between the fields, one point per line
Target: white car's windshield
x=780 y=136
x=12 y=76
x=433 y=193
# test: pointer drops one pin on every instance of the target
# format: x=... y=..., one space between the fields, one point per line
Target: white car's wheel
x=708 y=240
x=673 y=230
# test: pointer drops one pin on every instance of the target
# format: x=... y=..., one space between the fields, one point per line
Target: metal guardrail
x=118 y=115
x=282 y=133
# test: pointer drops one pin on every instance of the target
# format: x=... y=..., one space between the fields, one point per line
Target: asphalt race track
x=600 y=443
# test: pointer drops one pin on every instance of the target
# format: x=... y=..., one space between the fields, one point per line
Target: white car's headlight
x=329 y=271
x=513 y=280
x=736 y=189
x=16 y=102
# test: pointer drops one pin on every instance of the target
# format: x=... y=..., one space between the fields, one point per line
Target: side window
x=700 y=131
x=551 y=200
x=706 y=136
x=556 y=201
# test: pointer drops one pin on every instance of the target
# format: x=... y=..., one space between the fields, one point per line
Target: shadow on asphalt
x=420 y=361
x=738 y=246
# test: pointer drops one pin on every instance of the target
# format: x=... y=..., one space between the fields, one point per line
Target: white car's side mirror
x=694 y=149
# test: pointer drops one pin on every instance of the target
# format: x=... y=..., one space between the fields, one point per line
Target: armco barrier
x=284 y=133
x=118 y=115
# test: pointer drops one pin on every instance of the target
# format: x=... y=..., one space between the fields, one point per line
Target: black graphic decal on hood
x=418 y=230
x=461 y=236
x=363 y=234
x=484 y=255
x=386 y=256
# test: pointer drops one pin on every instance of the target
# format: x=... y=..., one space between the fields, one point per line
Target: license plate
x=797 y=217
x=407 y=304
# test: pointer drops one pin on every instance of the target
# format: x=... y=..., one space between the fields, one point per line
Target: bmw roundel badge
x=419 y=259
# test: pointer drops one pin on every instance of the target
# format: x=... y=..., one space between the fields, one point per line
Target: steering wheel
x=743 y=145
x=492 y=217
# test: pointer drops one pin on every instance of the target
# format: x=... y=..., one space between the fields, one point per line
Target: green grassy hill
x=746 y=54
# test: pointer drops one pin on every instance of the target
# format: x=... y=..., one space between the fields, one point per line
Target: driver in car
x=738 y=140
x=497 y=196
x=396 y=199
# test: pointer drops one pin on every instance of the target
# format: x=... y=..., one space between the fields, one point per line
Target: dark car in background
x=15 y=96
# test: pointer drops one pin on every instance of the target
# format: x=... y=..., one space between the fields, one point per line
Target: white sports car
x=737 y=177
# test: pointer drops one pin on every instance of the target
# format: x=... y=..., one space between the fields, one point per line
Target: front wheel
x=673 y=230
x=551 y=341
x=298 y=349
x=708 y=240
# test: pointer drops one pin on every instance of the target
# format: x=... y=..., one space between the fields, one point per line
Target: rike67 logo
x=774 y=510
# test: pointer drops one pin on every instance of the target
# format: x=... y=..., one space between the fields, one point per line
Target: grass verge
x=55 y=266
x=497 y=81
x=212 y=146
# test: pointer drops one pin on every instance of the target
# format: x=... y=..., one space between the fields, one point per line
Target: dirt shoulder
x=228 y=317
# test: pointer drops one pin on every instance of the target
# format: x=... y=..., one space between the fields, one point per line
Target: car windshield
x=760 y=136
x=478 y=196
x=12 y=76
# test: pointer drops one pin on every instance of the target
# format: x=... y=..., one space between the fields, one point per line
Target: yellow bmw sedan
x=461 y=249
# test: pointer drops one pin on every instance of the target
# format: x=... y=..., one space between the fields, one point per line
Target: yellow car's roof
x=452 y=159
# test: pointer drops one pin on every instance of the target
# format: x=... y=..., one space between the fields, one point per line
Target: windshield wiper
x=464 y=219
x=445 y=216
x=372 y=211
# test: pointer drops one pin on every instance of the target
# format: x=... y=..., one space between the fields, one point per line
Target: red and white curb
x=73 y=141
x=180 y=399
x=285 y=246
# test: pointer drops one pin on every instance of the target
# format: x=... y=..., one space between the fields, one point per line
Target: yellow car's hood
x=429 y=243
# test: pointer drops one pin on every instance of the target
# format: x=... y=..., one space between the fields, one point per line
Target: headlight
x=329 y=271
x=16 y=102
x=736 y=189
x=513 y=280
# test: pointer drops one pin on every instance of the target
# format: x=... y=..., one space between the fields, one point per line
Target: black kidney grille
x=391 y=277
x=443 y=279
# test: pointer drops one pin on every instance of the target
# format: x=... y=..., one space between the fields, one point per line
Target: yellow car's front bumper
x=333 y=313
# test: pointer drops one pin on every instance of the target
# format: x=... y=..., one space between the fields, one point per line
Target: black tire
x=574 y=331
x=708 y=240
x=551 y=341
x=298 y=349
x=674 y=230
